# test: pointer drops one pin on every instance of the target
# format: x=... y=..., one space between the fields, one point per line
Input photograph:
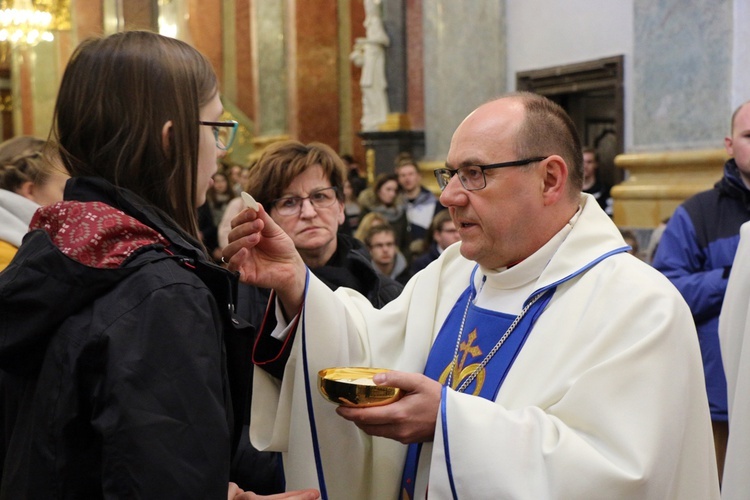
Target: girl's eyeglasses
x=224 y=132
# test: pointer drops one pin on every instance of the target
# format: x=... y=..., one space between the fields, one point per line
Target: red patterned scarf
x=94 y=233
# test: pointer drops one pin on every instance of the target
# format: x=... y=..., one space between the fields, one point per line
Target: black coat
x=116 y=381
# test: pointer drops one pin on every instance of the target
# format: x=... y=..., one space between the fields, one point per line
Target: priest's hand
x=411 y=419
x=236 y=493
x=265 y=256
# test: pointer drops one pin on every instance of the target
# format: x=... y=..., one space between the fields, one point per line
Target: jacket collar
x=96 y=189
x=731 y=183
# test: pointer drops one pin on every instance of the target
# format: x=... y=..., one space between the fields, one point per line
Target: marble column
x=229 y=65
x=295 y=53
x=237 y=82
x=36 y=73
x=44 y=90
x=204 y=32
x=269 y=54
x=244 y=95
x=312 y=47
x=347 y=143
x=414 y=64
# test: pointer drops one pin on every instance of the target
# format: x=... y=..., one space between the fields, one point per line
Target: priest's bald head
x=520 y=171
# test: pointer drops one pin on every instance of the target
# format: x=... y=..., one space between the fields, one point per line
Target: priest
x=538 y=358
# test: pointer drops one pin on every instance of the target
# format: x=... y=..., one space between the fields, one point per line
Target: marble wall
x=464 y=64
x=740 y=53
x=681 y=74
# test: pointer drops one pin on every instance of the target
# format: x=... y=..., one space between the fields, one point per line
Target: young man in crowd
x=385 y=255
x=421 y=204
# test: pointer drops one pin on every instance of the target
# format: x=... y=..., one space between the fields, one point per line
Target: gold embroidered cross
x=467 y=348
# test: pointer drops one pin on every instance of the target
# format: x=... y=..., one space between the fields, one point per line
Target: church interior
x=651 y=85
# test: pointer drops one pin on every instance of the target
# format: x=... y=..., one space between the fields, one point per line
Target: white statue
x=369 y=54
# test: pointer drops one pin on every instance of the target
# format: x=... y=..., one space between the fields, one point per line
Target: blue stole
x=482 y=330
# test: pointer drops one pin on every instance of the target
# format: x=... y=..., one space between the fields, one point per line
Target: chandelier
x=22 y=23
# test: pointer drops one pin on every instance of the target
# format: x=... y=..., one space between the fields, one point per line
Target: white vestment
x=606 y=399
x=734 y=329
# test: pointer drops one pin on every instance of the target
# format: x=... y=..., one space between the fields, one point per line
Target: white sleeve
x=734 y=328
x=283 y=327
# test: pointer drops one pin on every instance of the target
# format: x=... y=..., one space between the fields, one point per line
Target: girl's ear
x=166 y=137
x=26 y=190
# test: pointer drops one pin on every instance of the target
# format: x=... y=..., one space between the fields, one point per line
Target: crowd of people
x=397 y=200
x=177 y=329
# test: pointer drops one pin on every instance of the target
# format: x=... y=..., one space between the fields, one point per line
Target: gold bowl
x=354 y=387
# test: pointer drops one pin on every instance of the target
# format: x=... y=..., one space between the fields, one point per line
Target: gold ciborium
x=354 y=387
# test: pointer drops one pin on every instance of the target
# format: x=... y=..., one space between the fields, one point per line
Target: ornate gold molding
x=427 y=172
x=659 y=182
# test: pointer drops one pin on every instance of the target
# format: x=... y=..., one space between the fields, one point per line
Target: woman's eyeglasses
x=224 y=132
x=292 y=205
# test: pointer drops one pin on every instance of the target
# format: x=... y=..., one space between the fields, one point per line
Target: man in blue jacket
x=696 y=253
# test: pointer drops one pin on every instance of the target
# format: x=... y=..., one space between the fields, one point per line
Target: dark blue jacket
x=696 y=253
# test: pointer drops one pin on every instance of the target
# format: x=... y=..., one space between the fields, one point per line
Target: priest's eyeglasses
x=472 y=176
x=292 y=205
x=224 y=132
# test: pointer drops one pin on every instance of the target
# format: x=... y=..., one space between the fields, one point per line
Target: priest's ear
x=555 y=179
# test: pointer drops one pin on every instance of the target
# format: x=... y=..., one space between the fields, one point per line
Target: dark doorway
x=592 y=94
